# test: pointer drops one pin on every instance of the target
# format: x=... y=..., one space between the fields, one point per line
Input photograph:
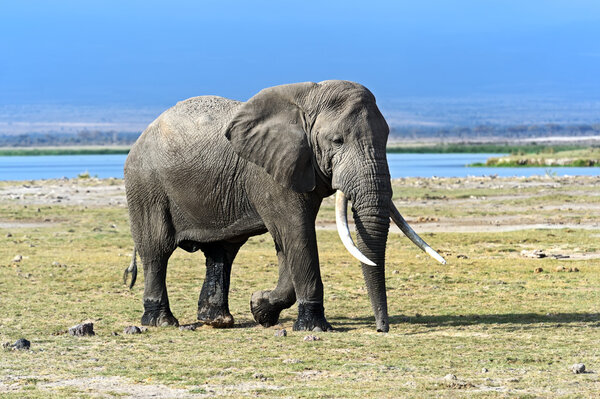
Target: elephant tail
x=132 y=268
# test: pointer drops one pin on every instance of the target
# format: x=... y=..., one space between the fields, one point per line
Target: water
x=401 y=165
x=57 y=166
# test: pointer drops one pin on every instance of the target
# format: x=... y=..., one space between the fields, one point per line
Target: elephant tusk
x=410 y=233
x=341 y=220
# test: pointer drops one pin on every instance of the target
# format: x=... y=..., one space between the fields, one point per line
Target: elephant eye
x=338 y=140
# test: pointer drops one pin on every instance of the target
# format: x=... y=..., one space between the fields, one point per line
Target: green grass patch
x=589 y=157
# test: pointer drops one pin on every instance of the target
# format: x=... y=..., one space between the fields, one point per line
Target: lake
x=401 y=165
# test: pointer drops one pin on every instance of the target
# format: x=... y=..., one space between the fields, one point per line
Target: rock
x=132 y=330
x=115 y=334
x=538 y=270
x=396 y=272
x=484 y=370
x=450 y=377
x=281 y=333
x=317 y=329
x=17 y=258
x=561 y=269
x=8 y=235
x=259 y=376
x=573 y=270
x=538 y=253
x=311 y=338
x=187 y=327
x=461 y=256
x=578 y=368
x=82 y=330
x=22 y=343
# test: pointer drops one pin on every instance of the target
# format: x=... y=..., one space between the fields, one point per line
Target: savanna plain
x=515 y=307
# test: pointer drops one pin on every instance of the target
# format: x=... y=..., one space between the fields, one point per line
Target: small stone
x=132 y=330
x=561 y=269
x=578 y=368
x=312 y=338
x=17 y=258
x=259 y=376
x=484 y=370
x=573 y=270
x=396 y=272
x=281 y=333
x=8 y=235
x=187 y=327
x=317 y=329
x=22 y=343
x=462 y=256
x=115 y=334
x=450 y=377
x=82 y=330
x=538 y=270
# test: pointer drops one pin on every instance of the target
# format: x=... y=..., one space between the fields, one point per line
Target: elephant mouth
x=341 y=219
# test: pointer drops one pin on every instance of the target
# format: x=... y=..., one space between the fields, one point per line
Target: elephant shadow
x=509 y=320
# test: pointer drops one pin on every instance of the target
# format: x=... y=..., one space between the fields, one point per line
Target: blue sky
x=156 y=53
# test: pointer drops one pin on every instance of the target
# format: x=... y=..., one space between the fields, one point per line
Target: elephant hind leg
x=153 y=234
x=157 y=311
x=213 y=303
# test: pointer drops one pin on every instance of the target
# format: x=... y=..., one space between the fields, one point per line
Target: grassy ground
x=487 y=309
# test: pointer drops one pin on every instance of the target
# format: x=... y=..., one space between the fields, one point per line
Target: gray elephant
x=211 y=172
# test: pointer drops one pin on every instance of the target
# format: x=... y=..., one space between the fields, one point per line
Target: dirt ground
x=506 y=204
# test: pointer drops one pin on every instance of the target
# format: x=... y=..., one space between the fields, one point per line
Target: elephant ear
x=269 y=131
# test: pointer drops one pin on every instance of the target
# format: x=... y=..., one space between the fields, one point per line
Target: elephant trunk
x=371 y=211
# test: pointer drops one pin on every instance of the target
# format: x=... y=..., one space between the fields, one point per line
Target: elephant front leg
x=299 y=271
x=267 y=305
x=213 y=303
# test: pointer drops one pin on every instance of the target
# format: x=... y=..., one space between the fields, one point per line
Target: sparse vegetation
x=486 y=310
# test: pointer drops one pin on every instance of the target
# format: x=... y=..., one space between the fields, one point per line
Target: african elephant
x=211 y=172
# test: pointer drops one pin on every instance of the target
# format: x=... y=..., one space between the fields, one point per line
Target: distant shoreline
x=393 y=148
x=40 y=151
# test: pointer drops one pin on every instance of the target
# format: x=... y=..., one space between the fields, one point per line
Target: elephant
x=211 y=172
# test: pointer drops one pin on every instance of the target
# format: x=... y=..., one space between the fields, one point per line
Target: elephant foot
x=157 y=315
x=311 y=317
x=263 y=311
x=216 y=317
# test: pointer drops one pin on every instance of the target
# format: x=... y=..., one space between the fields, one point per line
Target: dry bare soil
x=515 y=307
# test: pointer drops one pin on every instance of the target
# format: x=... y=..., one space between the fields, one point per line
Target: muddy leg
x=213 y=304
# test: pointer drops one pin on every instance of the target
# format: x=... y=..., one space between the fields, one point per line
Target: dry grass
x=485 y=309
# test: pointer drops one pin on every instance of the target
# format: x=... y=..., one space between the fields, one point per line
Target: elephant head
x=329 y=133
